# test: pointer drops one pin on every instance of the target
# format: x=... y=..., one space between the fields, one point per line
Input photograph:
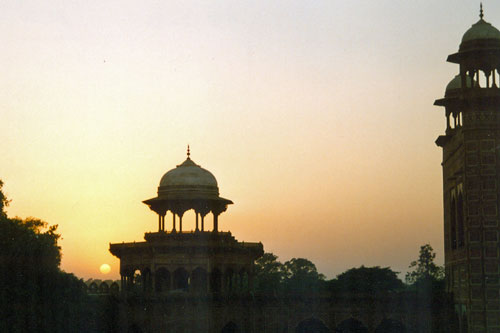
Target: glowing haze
x=315 y=117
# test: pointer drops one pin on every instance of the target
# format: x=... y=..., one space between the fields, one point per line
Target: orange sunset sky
x=315 y=117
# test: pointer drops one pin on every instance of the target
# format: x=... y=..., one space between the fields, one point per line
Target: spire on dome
x=481 y=14
x=188 y=153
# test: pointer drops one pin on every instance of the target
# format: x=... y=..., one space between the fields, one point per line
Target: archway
x=146 y=279
x=93 y=288
x=215 y=281
x=453 y=220
x=137 y=281
x=162 y=280
x=460 y=222
x=243 y=283
x=229 y=280
x=390 y=326
x=181 y=279
x=114 y=288
x=134 y=328
x=103 y=288
x=351 y=325
x=312 y=325
x=199 y=280
x=230 y=328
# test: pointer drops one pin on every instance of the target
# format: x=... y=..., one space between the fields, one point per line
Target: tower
x=180 y=262
x=471 y=179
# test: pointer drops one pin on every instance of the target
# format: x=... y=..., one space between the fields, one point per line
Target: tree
x=426 y=282
x=424 y=269
x=35 y=295
x=3 y=202
x=301 y=276
x=367 y=280
x=269 y=274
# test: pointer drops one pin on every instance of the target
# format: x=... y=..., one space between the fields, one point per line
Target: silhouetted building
x=196 y=261
x=471 y=184
x=100 y=287
x=201 y=281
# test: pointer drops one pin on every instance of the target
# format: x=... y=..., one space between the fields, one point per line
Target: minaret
x=471 y=179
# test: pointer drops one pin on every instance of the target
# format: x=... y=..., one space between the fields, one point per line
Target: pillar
x=153 y=282
x=180 y=223
x=250 y=281
x=209 y=278
x=196 y=222
x=216 y=222
x=159 y=222
x=173 y=228
x=202 y=222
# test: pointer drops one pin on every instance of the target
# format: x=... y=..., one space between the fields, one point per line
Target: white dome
x=481 y=30
x=189 y=179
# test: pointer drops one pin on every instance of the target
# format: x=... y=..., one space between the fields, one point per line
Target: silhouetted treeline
x=424 y=287
x=35 y=295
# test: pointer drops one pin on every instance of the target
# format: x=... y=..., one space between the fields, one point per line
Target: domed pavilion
x=186 y=187
x=191 y=261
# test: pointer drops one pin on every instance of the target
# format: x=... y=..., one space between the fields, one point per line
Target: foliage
x=269 y=275
x=367 y=280
x=296 y=276
x=3 y=202
x=302 y=277
x=426 y=284
x=424 y=268
x=34 y=294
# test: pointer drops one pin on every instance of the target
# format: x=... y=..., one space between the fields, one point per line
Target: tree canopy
x=302 y=277
x=424 y=268
x=296 y=276
x=270 y=274
x=35 y=295
x=367 y=280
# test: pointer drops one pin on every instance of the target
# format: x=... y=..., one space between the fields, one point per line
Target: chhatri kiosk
x=195 y=261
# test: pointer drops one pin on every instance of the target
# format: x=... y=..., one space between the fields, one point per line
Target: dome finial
x=481 y=14
x=188 y=152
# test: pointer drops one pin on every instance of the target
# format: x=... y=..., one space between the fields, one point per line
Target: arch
x=103 y=288
x=244 y=281
x=199 y=279
x=312 y=325
x=453 y=222
x=216 y=281
x=146 y=279
x=229 y=280
x=465 y=324
x=114 y=288
x=390 y=326
x=181 y=279
x=137 y=281
x=351 y=325
x=230 y=328
x=189 y=220
x=93 y=288
x=460 y=222
x=134 y=328
x=162 y=281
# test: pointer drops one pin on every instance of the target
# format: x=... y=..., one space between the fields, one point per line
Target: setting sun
x=105 y=269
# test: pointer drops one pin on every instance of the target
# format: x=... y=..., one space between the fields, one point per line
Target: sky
x=316 y=118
